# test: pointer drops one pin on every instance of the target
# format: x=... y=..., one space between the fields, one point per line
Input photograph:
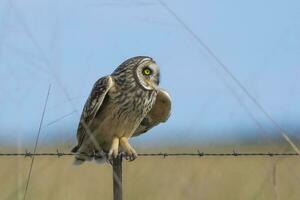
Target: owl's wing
x=92 y=106
x=160 y=112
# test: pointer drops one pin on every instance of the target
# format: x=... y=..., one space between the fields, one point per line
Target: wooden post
x=117 y=177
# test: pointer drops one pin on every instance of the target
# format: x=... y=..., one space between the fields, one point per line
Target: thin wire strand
x=36 y=143
x=231 y=75
x=61 y=118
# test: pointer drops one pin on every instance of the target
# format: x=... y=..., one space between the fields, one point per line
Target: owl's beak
x=152 y=85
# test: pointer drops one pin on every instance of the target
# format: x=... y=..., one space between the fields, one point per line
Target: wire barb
x=59 y=154
x=200 y=153
x=27 y=154
x=234 y=153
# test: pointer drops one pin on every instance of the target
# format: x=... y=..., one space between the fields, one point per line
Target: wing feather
x=159 y=113
x=92 y=106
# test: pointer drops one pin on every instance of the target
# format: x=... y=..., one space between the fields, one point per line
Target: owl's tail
x=82 y=156
x=75 y=149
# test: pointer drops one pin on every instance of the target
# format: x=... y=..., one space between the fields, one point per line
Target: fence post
x=117 y=177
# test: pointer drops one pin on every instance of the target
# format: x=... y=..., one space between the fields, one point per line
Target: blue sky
x=70 y=44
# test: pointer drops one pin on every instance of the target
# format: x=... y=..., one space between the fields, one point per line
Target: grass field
x=208 y=178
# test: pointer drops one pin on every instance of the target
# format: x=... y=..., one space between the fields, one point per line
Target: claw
x=111 y=159
x=99 y=154
x=114 y=149
x=130 y=153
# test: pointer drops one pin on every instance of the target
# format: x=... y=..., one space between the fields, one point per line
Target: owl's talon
x=130 y=153
x=133 y=155
x=114 y=149
x=110 y=161
x=130 y=157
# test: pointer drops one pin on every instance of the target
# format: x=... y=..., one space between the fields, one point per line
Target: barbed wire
x=161 y=154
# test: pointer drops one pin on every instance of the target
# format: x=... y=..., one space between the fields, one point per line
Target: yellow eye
x=147 y=71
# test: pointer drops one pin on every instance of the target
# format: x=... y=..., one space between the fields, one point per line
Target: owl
x=125 y=104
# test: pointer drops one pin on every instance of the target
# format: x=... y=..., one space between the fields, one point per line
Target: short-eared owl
x=125 y=104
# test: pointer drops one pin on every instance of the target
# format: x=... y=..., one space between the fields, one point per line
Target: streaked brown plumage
x=125 y=104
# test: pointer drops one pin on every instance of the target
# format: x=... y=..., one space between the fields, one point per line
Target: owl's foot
x=130 y=153
x=114 y=149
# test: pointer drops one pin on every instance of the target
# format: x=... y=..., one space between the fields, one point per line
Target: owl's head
x=142 y=69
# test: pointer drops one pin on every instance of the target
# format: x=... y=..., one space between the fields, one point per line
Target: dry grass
x=155 y=178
